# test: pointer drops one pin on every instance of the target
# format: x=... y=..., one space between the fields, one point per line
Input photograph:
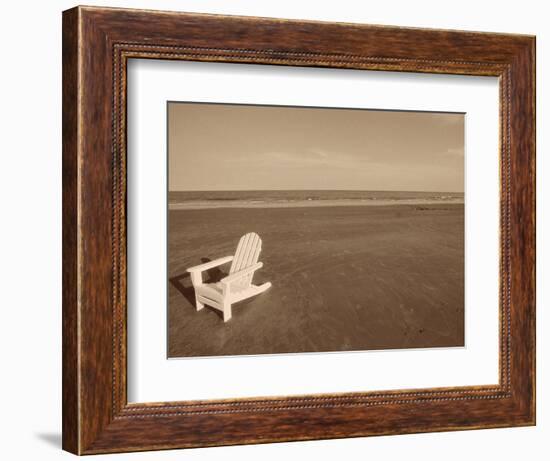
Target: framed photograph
x=281 y=230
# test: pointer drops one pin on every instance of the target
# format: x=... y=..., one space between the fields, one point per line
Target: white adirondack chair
x=238 y=284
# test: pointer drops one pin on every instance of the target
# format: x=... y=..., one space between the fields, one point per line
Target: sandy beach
x=344 y=278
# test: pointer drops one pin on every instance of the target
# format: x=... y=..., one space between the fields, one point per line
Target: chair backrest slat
x=247 y=254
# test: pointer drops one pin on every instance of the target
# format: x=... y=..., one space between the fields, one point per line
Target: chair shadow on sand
x=187 y=290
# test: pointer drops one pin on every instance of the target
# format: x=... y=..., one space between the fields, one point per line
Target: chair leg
x=196 y=280
x=226 y=312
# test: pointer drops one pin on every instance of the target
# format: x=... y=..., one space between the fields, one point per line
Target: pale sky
x=243 y=147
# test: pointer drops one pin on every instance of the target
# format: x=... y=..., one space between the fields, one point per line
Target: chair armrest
x=237 y=275
x=210 y=264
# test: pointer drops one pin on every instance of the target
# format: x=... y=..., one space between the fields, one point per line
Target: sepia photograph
x=313 y=229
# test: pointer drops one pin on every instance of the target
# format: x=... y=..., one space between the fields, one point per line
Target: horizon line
x=316 y=190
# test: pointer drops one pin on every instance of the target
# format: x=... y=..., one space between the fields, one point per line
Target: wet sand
x=345 y=278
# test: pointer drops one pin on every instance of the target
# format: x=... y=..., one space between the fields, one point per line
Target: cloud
x=311 y=157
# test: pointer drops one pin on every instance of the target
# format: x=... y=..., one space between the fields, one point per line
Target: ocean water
x=178 y=200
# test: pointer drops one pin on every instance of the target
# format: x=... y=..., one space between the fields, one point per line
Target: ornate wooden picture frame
x=97 y=44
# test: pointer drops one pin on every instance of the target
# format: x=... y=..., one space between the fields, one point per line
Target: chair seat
x=210 y=290
x=214 y=290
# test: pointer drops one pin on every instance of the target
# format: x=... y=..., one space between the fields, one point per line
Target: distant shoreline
x=192 y=200
x=200 y=205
